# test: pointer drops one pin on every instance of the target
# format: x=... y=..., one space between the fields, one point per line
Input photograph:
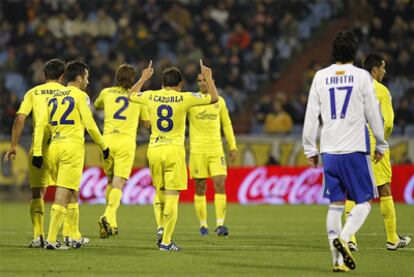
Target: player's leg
x=114 y=200
x=57 y=215
x=37 y=210
x=108 y=189
x=336 y=193
x=74 y=237
x=220 y=204
x=394 y=241
x=200 y=204
x=199 y=172
x=349 y=205
x=175 y=176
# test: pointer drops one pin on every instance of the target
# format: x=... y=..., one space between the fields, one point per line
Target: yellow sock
x=169 y=217
x=72 y=220
x=112 y=206
x=158 y=206
x=107 y=192
x=66 y=227
x=390 y=220
x=37 y=210
x=349 y=205
x=57 y=215
x=220 y=203
x=200 y=205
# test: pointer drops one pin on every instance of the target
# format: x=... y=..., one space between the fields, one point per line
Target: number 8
x=166 y=118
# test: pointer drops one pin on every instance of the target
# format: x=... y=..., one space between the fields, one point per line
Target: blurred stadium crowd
x=245 y=42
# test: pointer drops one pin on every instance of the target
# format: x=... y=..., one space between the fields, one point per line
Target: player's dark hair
x=75 y=69
x=372 y=60
x=171 y=77
x=53 y=69
x=344 y=47
x=125 y=76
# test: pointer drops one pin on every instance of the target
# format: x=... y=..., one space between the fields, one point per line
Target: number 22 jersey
x=167 y=111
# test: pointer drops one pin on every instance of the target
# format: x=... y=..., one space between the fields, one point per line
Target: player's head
x=125 y=76
x=171 y=77
x=344 y=47
x=54 y=70
x=202 y=83
x=77 y=72
x=375 y=65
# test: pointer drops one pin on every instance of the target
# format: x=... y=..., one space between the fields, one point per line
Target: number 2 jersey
x=342 y=96
x=167 y=111
x=121 y=115
x=66 y=117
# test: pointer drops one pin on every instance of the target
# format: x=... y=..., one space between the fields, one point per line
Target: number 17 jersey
x=167 y=111
x=343 y=97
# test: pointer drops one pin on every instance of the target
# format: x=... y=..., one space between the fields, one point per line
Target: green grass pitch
x=263 y=241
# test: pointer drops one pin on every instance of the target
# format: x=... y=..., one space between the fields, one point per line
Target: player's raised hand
x=10 y=154
x=313 y=161
x=147 y=72
x=205 y=71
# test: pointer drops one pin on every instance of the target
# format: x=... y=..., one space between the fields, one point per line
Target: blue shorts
x=348 y=176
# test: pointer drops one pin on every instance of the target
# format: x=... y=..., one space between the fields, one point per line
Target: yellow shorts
x=40 y=178
x=382 y=170
x=66 y=164
x=203 y=165
x=121 y=156
x=167 y=166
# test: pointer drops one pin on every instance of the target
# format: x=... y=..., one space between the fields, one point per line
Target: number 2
x=118 y=115
x=346 y=102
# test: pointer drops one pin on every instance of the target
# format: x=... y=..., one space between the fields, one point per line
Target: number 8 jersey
x=343 y=97
x=167 y=111
x=66 y=117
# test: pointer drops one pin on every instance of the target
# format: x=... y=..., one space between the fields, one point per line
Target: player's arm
x=18 y=125
x=89 y=123
x=373 y=115
x=208 y=75
x=39 y=130
x=387 y=113
x=136 y=88
x=228 y=131
x=311 y=125
x=99 y=102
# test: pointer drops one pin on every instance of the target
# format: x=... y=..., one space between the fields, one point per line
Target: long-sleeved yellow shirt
x=121 y=115
x=205 y=128
x=67 y=116
x=385 y=101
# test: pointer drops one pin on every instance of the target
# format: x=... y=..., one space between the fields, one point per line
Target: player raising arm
x=67 y=116
x=343 y=96
x=167 y=109
x=34 y=102
x=120 y=129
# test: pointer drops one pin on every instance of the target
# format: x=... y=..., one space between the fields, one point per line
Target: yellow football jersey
x=35 y=101
x=205 y=128
x=121 y=115
x=67 y=116
x=385 y=100
x=167 y=111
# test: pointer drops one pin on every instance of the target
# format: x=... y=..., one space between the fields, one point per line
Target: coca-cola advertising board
x=248 y=185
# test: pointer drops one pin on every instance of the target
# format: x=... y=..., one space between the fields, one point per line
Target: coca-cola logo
x=302 y=188
x=138 y=189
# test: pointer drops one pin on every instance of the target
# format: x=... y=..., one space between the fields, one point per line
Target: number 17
x=346 y=102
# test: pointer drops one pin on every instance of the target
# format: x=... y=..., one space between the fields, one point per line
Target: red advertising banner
x=248 y=185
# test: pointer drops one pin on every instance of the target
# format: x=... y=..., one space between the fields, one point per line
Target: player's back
x=65 y=121
x=167 y=110
x=341 y=91
x=121 y=115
